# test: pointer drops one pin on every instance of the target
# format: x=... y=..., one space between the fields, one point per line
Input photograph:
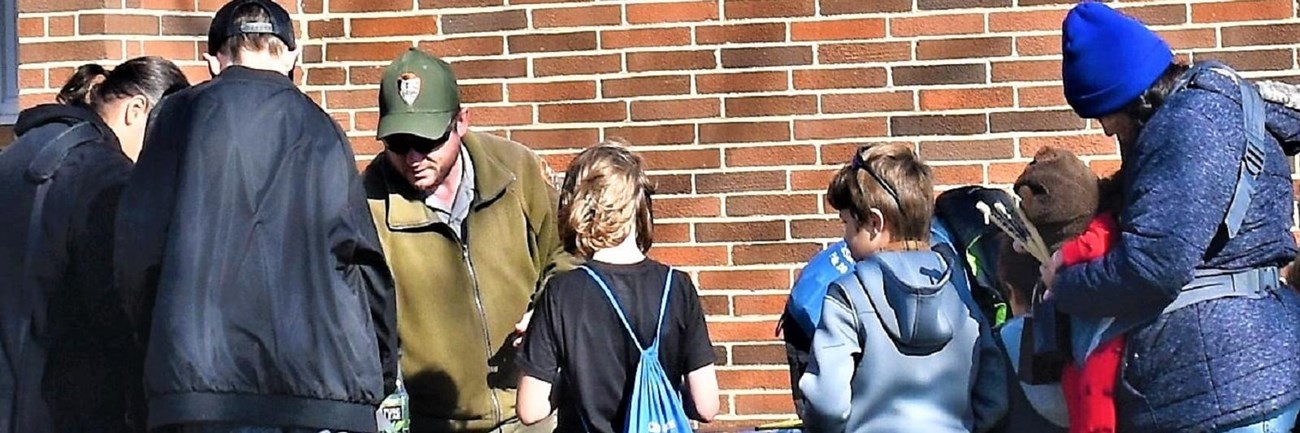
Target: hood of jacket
x=915 y=314
x=45 y=114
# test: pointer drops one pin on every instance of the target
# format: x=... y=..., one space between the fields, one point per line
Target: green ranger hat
x=418 y=96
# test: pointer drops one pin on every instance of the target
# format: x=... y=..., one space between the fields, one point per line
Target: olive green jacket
x=457 y=301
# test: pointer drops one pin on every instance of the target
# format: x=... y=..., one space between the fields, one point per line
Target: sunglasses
x=402 y=144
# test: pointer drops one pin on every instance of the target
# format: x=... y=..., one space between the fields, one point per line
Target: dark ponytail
x=92 y=86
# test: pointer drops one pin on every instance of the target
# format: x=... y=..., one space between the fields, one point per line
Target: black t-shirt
x=576 y=342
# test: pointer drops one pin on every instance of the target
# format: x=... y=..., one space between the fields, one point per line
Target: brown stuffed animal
x=1059 y=195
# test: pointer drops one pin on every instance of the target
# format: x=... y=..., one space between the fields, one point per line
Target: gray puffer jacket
x=903 y=335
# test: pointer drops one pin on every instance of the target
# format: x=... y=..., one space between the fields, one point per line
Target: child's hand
x=522 y=327
x=1048 y=272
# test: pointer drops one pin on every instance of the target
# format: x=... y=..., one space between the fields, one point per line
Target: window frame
x=8 y=62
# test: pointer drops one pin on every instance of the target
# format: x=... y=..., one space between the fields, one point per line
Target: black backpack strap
x=27 y=358
x=1252 y=159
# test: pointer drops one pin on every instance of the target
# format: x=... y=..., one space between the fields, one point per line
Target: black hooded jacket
x=253 y=263
x=78 y=350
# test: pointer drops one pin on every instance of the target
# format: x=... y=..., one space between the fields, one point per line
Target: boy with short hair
x=247 y=252
x=941 y=374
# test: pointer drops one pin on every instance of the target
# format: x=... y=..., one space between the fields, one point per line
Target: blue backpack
x=655 y=407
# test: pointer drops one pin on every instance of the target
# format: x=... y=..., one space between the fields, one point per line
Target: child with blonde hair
x=596 y=327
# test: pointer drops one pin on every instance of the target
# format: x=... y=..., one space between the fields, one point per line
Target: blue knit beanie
x=1109 y=59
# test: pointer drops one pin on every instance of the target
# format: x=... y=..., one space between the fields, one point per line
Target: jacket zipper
x=482 y=314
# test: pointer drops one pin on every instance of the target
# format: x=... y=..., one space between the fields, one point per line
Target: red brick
x=394 y=26
x=1270 y=34
x=579 y=16
x=875 y=102
x=744 y=132
x=670 y=60
x=848 y=78
x=556 y=138
x=682 y=159
x=960 y=24
x=716 y=305
x=767 y=354
x=758 y=106
x=723 y=332
x=553 y=91
x=1083 y=145
x=481 y=93
x=1005 y=172
x=772 y=205
x=31 y=79
x=740 y=33
x=171 y=50
x=551 y=43
x=1242 y=10
x=469 y=69
x=967 y=150
x=1027 y=70
x=822 y=129
x=1186 y=39
x=672 y=233
x=763 y=305
x=374 y=51
x=582 y=112
x=963 y=48
x=577 y=65
x=63 y=26
x=687 y=207
x=769 y=155
x=938 y=125
x=955 y=99
x=839 y=7
x=732 y=182
x=31 y=27
x=961 y=4
x=646 y=86
x=690 y=256
x=471 y=46
x=740 y=9
x=740 y=232
x=691 y=11
x=814 y=180
x=615 y=39
x=838 y=30
x=503 y=116
x=366 y=120
x=332 y=28
x=337 y=99
x=743 y=82
x=484 y=22
x=1158 y=15
x=957 y=174
x=668 y=184
x=654 y=134
x=754 y=379
x=1038 y=45
x=30 y=6
x=744 y=280
x=1048 y=96
x=368 y=5
x=817 y=228
x=868 y=52
x=121 y=25
x=1022 y=21
x=83 y=51
x=1104 y=168
x=701 y=108
x=766 y=56
x=764 y=404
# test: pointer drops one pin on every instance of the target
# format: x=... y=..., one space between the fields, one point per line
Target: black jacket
x=253 y=263
x=79 y=328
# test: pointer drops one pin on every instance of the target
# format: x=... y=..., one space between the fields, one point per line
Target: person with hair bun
x=68 y=358
x=575 y=340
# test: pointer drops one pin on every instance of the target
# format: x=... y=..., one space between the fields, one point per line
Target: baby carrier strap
x=1252 y=160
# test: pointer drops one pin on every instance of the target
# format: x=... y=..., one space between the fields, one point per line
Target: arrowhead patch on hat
x=408 y=86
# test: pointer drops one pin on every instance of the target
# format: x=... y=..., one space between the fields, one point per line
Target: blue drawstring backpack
x=655 y=407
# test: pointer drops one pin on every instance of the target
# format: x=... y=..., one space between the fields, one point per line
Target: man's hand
x=522 y=327
x=1048 y=273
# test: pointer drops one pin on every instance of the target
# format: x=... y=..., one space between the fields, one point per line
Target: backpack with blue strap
x=655 y=407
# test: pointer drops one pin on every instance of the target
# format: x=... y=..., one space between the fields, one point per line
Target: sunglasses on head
x=402 y=144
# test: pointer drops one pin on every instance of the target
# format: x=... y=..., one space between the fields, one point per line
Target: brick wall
x=742 y=107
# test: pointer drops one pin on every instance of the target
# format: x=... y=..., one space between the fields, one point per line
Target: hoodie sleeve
x=835 y=351
x=1182 y=177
